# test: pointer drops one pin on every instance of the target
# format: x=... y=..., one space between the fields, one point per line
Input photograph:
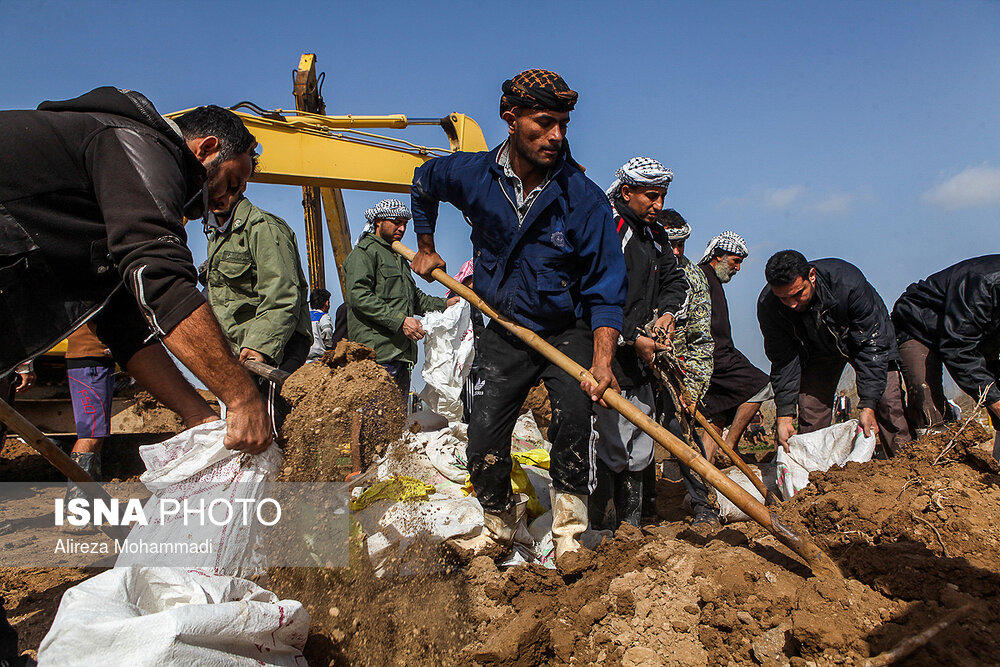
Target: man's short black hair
x=318 y=298
x=213 y=121
x=671 y=219
x=785 y=266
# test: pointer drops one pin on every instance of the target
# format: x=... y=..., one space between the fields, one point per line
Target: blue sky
x=867 y=131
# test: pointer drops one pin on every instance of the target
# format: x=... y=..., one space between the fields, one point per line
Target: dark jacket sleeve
x=971 y=306
x=673 y=290
x=604 y=282
x=433 y=183
x=872 y=336
x=783 y=350
x=140 y=190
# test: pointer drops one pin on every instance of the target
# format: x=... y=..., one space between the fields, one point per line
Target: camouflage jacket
x=693 y=339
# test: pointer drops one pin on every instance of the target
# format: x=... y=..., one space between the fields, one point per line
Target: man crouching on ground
x=546 y=255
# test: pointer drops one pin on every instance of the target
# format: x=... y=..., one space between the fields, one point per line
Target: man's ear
x=812 y=275
x=509 y=116
x=626 y=191
x=204 y=147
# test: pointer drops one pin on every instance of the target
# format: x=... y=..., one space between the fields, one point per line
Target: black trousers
x=294 y=355
x=508 y=369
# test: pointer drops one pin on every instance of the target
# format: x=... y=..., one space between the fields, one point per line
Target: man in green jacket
x=382 y=298
x=258 y=292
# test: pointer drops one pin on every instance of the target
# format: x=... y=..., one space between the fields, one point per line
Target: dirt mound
x=345 y=386
x=916 y=540
x=147 y=415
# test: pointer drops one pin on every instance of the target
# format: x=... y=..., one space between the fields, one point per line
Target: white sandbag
x=194 y=467
x=819 y=451
x=409 y=523
x=767 y=472
x=446 y=450
x=424 y=421
x=173 y=616
x=448 y=354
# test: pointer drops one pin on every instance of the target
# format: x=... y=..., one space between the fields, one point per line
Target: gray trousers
x=622 y=445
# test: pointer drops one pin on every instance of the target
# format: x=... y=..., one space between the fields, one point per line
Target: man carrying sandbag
x=93 y=196
x=817 y=317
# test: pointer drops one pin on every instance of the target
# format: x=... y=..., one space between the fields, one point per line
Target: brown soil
x=914 y=539
x=325 y=395
x=538 y=403
x=668 y=594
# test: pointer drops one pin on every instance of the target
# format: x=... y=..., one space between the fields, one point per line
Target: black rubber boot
x=9 y=656
x=628 y=496
x=91 y=463
x=600 y=507
x=649 y=493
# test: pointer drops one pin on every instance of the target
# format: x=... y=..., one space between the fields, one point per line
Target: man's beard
x=536 y=161
x=724 y=273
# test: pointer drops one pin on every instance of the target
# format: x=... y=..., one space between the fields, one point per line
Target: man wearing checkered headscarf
x=640 y=171
x=387 y=209
x=382 y=299
x=738 y=388
x=546 y=256
x=537 y=89
x=657 y=291
x=726 y=243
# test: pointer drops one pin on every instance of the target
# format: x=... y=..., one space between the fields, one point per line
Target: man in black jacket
x=93 y=196
x=657 y=289
x=952 y=317
x=816 y=318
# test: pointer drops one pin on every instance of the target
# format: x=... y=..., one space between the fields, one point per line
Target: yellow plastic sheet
x=519 y=481
x=398 y=488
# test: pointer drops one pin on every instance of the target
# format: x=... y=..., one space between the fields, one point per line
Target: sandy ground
x=916 y=540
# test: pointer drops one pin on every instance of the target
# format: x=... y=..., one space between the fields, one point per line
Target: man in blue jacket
x=547 y=256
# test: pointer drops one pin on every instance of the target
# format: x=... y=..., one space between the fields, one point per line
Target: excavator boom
x=327 y=154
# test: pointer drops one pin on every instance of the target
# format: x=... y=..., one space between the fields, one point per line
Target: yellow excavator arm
x=327 y=154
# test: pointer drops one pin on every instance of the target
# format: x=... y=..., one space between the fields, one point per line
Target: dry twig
x=944 y=549
x=975 y=413
x=908 y=482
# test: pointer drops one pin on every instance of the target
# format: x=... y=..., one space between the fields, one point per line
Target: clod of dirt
x=147 y=415
x=328 y=396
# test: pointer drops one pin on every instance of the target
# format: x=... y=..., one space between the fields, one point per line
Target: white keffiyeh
x=387 y=209
x=640 y=171
x=730 y=242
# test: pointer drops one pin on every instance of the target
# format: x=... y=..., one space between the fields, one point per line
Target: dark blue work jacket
x=561 y=264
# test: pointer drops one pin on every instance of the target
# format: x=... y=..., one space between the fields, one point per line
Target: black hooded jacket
x=957 y=313
x=92 y=195
x=847 y=320
x=655 y=283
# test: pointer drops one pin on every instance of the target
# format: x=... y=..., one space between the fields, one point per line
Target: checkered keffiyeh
x=537 y=89
x=640 y=171
x=730 y=242
x=388 y=209
x=678 y=233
